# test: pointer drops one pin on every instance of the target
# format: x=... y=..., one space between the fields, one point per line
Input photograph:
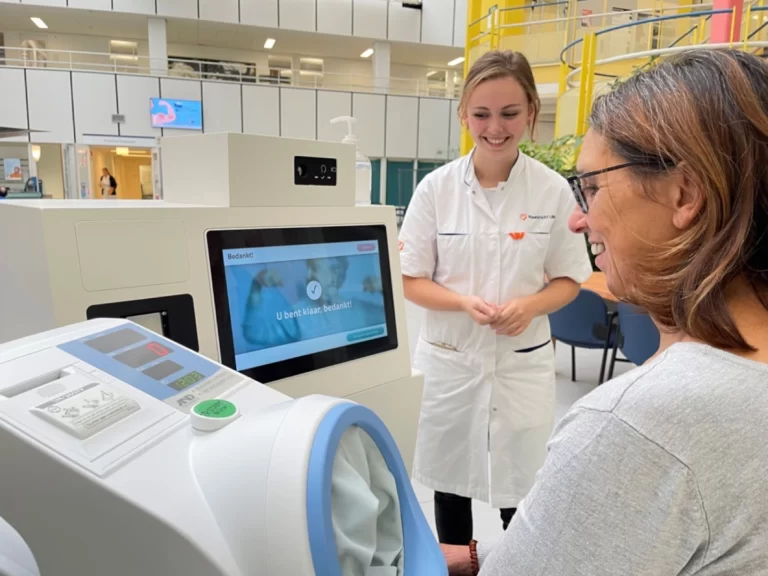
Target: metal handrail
x=590 y=17
x=763 y=25
x=77 y=60
x=665 y=51
x=640 y=23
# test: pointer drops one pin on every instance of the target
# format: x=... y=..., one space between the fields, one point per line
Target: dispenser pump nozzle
x=350 y=138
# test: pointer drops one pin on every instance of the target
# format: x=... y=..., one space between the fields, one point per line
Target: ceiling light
x=455 y=61
x=269 y=43
x=367 y=53
x=36 y=152
x=39 y=22
x=122 y=151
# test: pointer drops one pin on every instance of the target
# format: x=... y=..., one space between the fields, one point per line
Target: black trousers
x=453 y=518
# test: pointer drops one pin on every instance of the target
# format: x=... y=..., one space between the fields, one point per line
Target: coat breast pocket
x=525 y=252
x=454 y=255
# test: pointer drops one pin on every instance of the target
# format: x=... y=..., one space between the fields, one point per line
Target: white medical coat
x=483 y=396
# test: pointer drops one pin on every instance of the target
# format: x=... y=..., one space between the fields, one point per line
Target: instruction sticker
x=87 y=410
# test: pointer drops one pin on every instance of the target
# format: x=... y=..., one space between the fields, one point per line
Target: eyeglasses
x=575 y=182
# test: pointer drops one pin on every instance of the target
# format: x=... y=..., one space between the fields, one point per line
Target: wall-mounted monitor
x=292 y=300
x=179 y=114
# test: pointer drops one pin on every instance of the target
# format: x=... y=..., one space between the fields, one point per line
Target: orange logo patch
x=401 y=245
x=523 y=216
x=517 y=235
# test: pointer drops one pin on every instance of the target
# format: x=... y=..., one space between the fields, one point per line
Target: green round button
x=215 y=409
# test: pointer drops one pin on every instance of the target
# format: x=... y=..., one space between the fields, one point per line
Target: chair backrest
x=641 y=338
x=574 y=324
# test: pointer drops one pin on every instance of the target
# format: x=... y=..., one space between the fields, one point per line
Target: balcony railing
x=541 y=30
x=224 y=72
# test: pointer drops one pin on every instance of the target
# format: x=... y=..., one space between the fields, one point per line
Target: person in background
x=479 y=237
x=108 y=184
x=662 y=471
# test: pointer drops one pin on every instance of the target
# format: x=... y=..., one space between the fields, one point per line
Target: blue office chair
x=638 y=337
x=585 y=323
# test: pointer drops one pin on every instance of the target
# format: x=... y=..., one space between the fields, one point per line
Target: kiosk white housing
x=125 y=453
x=257 y=258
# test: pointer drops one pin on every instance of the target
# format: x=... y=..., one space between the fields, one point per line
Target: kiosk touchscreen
x=293 y=300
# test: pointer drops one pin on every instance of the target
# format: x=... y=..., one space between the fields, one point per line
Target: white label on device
x=86 y=410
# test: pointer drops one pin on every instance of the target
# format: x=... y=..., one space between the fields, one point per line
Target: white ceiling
x=134 y=27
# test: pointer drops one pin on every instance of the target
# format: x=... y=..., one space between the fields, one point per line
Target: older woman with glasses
x=663 y=470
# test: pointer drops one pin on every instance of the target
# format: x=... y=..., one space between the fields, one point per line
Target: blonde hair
x=502 y=64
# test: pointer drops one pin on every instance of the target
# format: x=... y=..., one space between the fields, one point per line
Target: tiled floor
x=487 y=524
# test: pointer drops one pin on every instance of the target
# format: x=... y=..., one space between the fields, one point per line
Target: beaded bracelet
x=473 y=558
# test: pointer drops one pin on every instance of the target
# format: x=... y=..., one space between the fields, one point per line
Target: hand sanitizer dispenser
x=362 y=164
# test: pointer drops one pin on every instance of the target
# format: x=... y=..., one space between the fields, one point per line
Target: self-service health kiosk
x=125 y=453
x=257 y=258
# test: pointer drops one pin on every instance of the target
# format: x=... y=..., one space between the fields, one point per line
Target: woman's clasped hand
x=509 y=319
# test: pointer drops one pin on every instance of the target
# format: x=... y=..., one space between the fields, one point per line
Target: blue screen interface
x=181 y=114
x=291 y=301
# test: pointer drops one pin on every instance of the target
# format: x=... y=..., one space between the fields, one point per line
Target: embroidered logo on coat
x=400 y=245
x=517 y=235
x=523 y=216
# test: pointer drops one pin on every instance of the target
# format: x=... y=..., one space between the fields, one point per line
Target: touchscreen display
x=293 y=300
x=290 y=301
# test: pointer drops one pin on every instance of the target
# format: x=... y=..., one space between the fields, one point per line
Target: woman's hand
x=458 y=559
x=514 y=318
x=478 y=309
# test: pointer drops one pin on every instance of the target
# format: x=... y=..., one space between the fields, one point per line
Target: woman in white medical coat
x=485 y=248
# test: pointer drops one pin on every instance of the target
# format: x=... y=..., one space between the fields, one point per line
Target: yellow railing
x=580 y=82
x=543 y=29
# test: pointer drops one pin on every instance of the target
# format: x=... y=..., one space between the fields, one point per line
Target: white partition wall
x=49 y=101
x=404 y=23
x=134 y=6
x=370 y=112
x=220 y=10
x=402 y=123
x=395 y=127
x=334 y=17
x=177 y=8
x=180 y=90
x=370 y=19
x=133 y=101
x=297 y=14
x=13 y=100
x=298 y=113
x=222 y=107
x=434 y=128
x=332 y=105
x=440 y=22
x=95 y=101
x=460 y=23
x=261 y=110
x=259 y=12
x=91 y=4
x=437 y=22
x=60 y=3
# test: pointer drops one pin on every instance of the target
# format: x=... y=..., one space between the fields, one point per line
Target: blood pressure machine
x=257 y=258
x=125 y=453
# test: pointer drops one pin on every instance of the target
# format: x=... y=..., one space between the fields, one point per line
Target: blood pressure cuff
x=365 y=509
